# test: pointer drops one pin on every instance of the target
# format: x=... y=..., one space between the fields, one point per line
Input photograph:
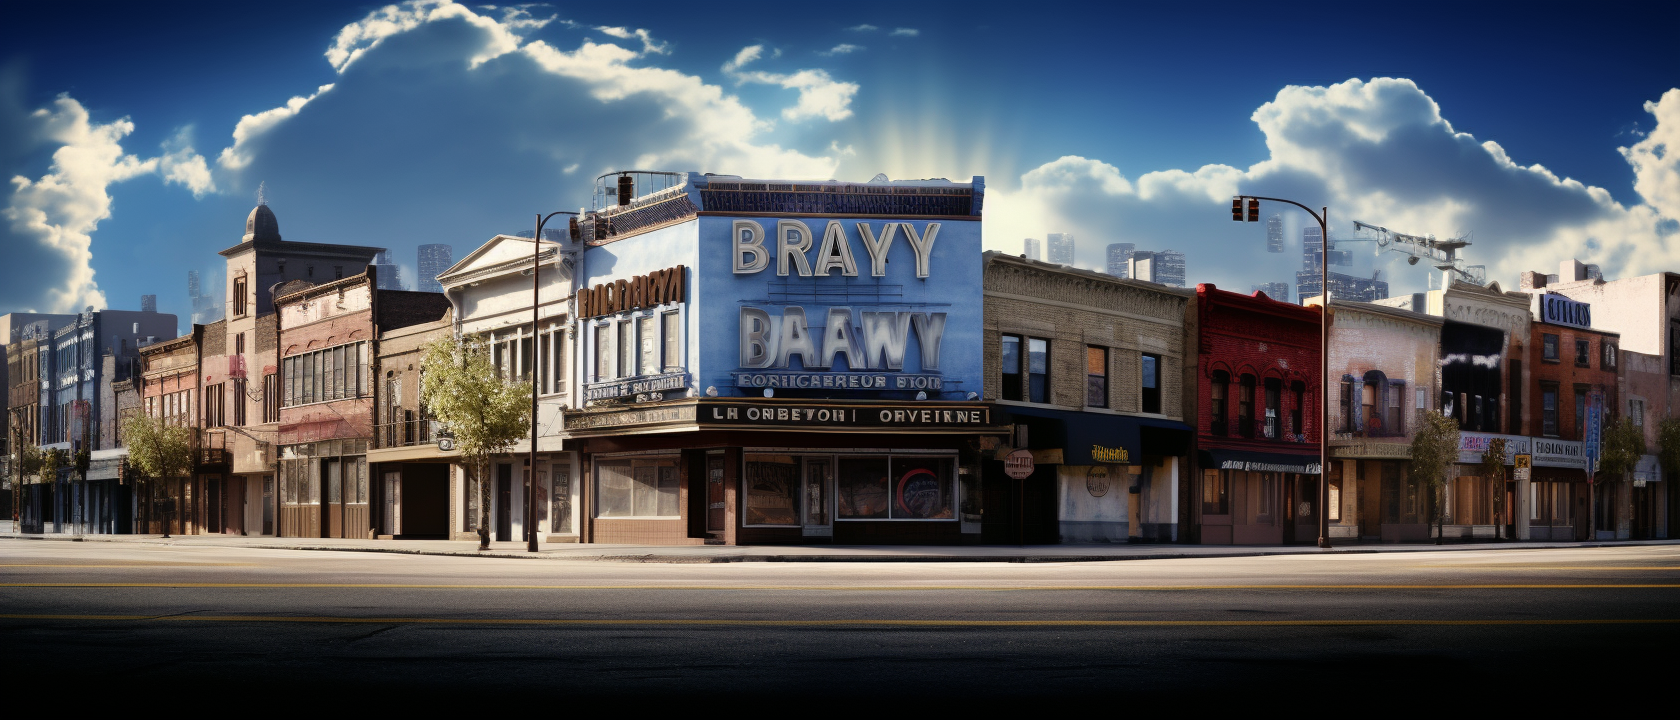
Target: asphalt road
x=1281 y=633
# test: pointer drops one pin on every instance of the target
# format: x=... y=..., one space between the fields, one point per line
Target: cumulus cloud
x=820 y=95
x=904 y=32
x=1656 y=159
x=841 y=49
x=865 y=27
x=50 y=219
x=1379 y=151
x=649 y=47
x=252 y=127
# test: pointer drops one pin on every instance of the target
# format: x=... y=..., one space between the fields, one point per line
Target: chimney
x=1571 y=271
x=626 y=189
x=1531 y=280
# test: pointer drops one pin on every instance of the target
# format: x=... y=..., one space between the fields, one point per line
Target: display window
x=637 y=488
x=812 y=490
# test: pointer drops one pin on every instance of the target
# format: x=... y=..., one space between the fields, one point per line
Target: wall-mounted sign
x=1096 y=480
x=1559 y=310
x=1549 y=452
x=830 y=416
x=1522 y=467
x=1105 y=454
x=1018 y=464
x=877 y=342
x=643 y=291
x=1471 y=445
x=838 y=381
x=644 y=388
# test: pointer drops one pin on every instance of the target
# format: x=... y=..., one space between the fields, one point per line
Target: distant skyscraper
x=386 y=272
x=434 y=259
x=1274 y=234
x=1118 y=254
x=206 y=308
x=1060 y=246
x=1342 y=285
x=148 y=303
x=1278 y=291
x=1171 y=271
x=1031 y=249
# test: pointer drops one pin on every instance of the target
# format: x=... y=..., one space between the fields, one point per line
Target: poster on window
x=771 y=488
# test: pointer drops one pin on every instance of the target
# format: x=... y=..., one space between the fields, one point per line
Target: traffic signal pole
x=1253 y=215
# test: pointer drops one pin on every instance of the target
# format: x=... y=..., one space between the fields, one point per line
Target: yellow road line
x=837 y=623
x=839 y=588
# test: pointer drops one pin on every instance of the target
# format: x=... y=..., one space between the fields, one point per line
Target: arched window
x=1218 y=420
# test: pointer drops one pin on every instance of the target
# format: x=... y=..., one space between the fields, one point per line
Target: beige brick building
x=1091 y=367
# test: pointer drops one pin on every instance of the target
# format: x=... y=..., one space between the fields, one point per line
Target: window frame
x=1245 y=404
x=1549 y=397
x=1011 y=388
x=1096 y=356
x=1583 y=352
x=1219 y=403
x=1551 y=347
x=1149 y=397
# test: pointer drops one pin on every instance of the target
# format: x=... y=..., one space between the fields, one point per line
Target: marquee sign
x=643 y=291
x=1558 y=310
x=647 y=388
x=837 y=416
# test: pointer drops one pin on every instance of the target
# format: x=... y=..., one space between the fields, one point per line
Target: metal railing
x=408 y=433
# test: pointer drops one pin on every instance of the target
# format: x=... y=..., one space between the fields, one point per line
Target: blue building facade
x=780 y=361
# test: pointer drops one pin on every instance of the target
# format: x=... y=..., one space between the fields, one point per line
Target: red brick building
x=1573 y=370
x=1256 y=471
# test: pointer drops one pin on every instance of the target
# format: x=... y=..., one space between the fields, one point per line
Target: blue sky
x=137 y=136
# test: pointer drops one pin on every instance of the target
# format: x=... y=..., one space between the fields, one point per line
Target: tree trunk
x=483 y=472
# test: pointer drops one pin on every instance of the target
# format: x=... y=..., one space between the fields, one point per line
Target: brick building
x=169 y=390
x=1383 y=374
x=1574 y=377
x=1254 y=478
x=412 y=472
x=328 y=339
x=1091 y=366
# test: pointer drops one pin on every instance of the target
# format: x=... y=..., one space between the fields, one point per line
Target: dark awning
x=1222 y=459
x=1095 y=438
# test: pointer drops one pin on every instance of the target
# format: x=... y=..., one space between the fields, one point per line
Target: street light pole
x=536 y=383
x=1323 y=349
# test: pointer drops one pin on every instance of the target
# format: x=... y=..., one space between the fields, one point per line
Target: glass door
x=818 y=497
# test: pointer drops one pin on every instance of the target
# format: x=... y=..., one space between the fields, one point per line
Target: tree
x=1492 y=468
x=1668 y=445
x=53 y=460
x=484 y=411
x=27 y=457
x=159 y=452
x=1620 y=445
x=1434 y=449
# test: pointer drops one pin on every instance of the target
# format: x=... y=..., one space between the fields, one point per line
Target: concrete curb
x=701 y=559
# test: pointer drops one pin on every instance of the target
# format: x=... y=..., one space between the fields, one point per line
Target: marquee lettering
x=643 y=291
x=794 y=240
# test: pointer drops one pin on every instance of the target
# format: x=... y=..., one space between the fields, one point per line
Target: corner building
x=766 y=361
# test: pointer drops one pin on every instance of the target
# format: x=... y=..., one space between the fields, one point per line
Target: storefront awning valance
x=1223 y=459
x=1097 y=438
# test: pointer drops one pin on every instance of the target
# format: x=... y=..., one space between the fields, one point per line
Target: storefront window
x=902 y=488
x=862 y=488
x=560 y=517
x=636 y=488
x=771 y=488
x=1215 y=497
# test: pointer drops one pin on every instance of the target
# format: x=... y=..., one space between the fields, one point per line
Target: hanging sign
x=1018 y=464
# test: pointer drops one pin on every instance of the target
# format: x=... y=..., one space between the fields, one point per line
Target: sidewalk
x=1101 y=552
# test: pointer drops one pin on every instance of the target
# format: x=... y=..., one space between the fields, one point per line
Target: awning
x=106 y=464
x=1223 y=459
x=1096 y=438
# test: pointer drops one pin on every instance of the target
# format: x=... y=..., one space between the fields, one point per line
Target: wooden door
x=213 y=502
x=716 y=504
x=332 y=502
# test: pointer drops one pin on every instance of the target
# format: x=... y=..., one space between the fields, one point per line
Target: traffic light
x=1236 y=209
x=1253 y=210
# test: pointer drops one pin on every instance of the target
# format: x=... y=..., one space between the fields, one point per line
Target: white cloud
x=1656 y=158
x=51 y=218
x=1379 y=151
x=251 y=127
x=865 y=27
x=834 y=147
x=905 y=32
x=357 y=38
x=649 y=47
x=842 y=49
x=181 y=164
x=819 y=94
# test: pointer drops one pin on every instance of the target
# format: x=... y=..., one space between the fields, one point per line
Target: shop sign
x=1471 y=445
x=648 y=388
x=1559 y=453
x=623 y=418
x=1096 y=481
x=1595 y=414
x=643 y=291
x=1251 y=466
x=1558 y=310
x=838 y=381
x=822 y=416
x=1116 y=455
x=1522 y=467
x=1019 y=464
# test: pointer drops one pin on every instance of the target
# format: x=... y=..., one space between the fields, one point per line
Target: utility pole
x=536 y=382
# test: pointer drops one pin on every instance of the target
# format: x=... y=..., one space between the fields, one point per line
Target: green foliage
x=1620 y=446
x=51 y=462
x=156 y=449
x=29 y=458
x=485 y=412
x=1668 y=444
x=1434 y=449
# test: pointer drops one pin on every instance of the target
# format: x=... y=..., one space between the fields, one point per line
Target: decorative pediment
x=502 y=254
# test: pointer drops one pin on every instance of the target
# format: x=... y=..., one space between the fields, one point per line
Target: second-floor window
x=239 y=301
x=1025 y=368
x=1298 y=390
x=238 y=401
x=1274 y=408
x=1096 y=376
x=271 y=398
x=1583 y=353
x=1580 y=413
x=1218 y=422
x=1608 y=362
x=1549 y=346
x=1549 y=409
x=333 y=373
x=1151 y=383
x=1636 y=413
x=1245 y=406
